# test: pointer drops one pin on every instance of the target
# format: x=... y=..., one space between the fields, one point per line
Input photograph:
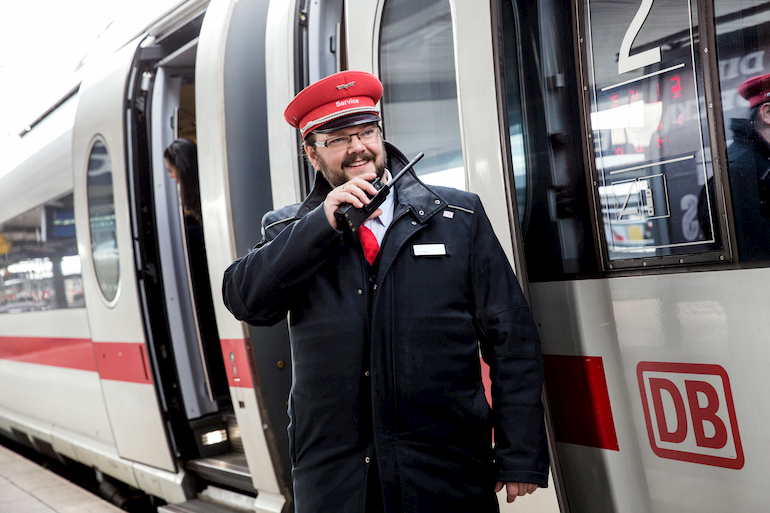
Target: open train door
x=445 y=95
x=106 y=247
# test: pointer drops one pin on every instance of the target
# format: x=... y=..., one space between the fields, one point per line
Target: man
x=748 y=159
x=387 y=406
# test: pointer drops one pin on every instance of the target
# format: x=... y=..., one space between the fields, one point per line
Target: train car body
x=111 y=356
x=598 y=135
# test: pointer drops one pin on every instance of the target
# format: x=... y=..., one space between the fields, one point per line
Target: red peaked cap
x=351 y=95
x=756 y=90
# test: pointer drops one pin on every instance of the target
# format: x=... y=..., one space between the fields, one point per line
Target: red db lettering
x=689 y=412
x=707 y=413
x=678 y=435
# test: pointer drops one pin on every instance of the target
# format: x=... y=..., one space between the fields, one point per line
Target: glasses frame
x=323 y=144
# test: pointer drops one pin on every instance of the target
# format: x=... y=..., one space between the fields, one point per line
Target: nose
x=355 y=145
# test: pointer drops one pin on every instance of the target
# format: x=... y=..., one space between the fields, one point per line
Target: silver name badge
x=428 y=250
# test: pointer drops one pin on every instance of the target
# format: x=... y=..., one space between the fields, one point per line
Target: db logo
x=689 y=413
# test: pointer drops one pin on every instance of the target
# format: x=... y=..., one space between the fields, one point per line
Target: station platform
x=26 y=487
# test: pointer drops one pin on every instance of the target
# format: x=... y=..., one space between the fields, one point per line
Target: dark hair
x=183 y=155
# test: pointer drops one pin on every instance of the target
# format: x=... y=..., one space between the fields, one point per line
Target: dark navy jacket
x=387 y=357
x=748 y=160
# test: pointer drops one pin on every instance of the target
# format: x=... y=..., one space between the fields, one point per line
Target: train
x=596 y=133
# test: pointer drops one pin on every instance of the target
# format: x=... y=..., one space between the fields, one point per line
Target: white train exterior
x=591 y=130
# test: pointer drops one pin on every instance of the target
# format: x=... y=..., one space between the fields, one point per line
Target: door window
x=417 y=67
x=101 y=216
x=649 y=127
x=545 y=143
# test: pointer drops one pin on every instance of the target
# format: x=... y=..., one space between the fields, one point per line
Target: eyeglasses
x=337 y=143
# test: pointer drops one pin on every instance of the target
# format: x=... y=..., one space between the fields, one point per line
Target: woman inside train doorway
x=181 y=159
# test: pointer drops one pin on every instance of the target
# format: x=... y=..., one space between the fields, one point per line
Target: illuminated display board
x=648 y=126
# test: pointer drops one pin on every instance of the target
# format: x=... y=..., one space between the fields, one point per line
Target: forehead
x=348 y=130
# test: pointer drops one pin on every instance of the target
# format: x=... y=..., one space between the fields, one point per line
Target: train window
x=546 y=147
x=40 y=267
x=743 y=44
x=649 y=128
x=101 y=216
x=417 y=68
x=516 y=130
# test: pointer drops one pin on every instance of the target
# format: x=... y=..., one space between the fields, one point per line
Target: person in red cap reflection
x=387 y=407
x=748 y=160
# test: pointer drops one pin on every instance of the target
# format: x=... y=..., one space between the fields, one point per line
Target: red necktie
x=371 y=246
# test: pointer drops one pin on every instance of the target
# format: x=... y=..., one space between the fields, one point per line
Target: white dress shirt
x=379 y=225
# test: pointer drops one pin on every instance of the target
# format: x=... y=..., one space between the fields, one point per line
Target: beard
x=336 y=175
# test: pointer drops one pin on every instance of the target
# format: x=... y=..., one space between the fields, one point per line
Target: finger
x=498 y=486
x=363 y=182
x=531 y=487
x=348 y=193
x=375 y=214
x=512 y=490
x=367 y=177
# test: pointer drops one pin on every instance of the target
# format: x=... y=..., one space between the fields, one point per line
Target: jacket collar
x=745 y=134
x=411 y=193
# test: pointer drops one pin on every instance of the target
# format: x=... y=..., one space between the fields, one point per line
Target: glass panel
x=420 y=109
x=101 y=215
x=516 y=129
x=743 y=40
x=39 y=262
x=649 y=126
x=546 y=143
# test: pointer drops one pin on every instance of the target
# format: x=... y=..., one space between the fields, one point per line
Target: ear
x=764 y=113
x=310 y=151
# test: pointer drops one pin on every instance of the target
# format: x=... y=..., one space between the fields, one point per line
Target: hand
x=516 y=489
x=350 y=192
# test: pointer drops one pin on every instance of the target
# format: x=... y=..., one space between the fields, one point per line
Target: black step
x=229 y=470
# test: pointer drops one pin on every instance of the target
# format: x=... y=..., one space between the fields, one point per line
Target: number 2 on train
x=628 y=62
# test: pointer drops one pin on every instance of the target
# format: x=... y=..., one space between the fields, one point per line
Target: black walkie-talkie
x=350 y=219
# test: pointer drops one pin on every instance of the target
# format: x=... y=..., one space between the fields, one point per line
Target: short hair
x=754 y=113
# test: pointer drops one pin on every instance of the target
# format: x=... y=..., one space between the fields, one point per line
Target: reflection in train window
x=649 y=124
x=743 y=50
x=101 y=216
x=39 y=263
x=516 y=118
x=417 y=67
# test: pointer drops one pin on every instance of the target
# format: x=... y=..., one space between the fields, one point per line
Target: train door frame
x=170 y=74
x=165 y=288
x=248 y=471
x=236 y=182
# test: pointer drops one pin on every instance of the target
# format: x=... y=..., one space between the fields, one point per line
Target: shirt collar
x=387 y=205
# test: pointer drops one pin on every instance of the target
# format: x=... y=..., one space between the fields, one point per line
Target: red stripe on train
x=123 y=361
x=116 y=361
x=71 y=353
x=580 y=401
x=237 y=363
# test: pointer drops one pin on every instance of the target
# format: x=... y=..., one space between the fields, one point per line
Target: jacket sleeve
x=257 y=288
x=511 y=346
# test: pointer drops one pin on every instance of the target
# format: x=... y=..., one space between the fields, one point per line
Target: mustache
x=348 y=160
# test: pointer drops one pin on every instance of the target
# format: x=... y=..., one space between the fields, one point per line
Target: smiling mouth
x=358 y=163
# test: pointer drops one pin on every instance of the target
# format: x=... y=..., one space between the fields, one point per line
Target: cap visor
x=345 y=122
